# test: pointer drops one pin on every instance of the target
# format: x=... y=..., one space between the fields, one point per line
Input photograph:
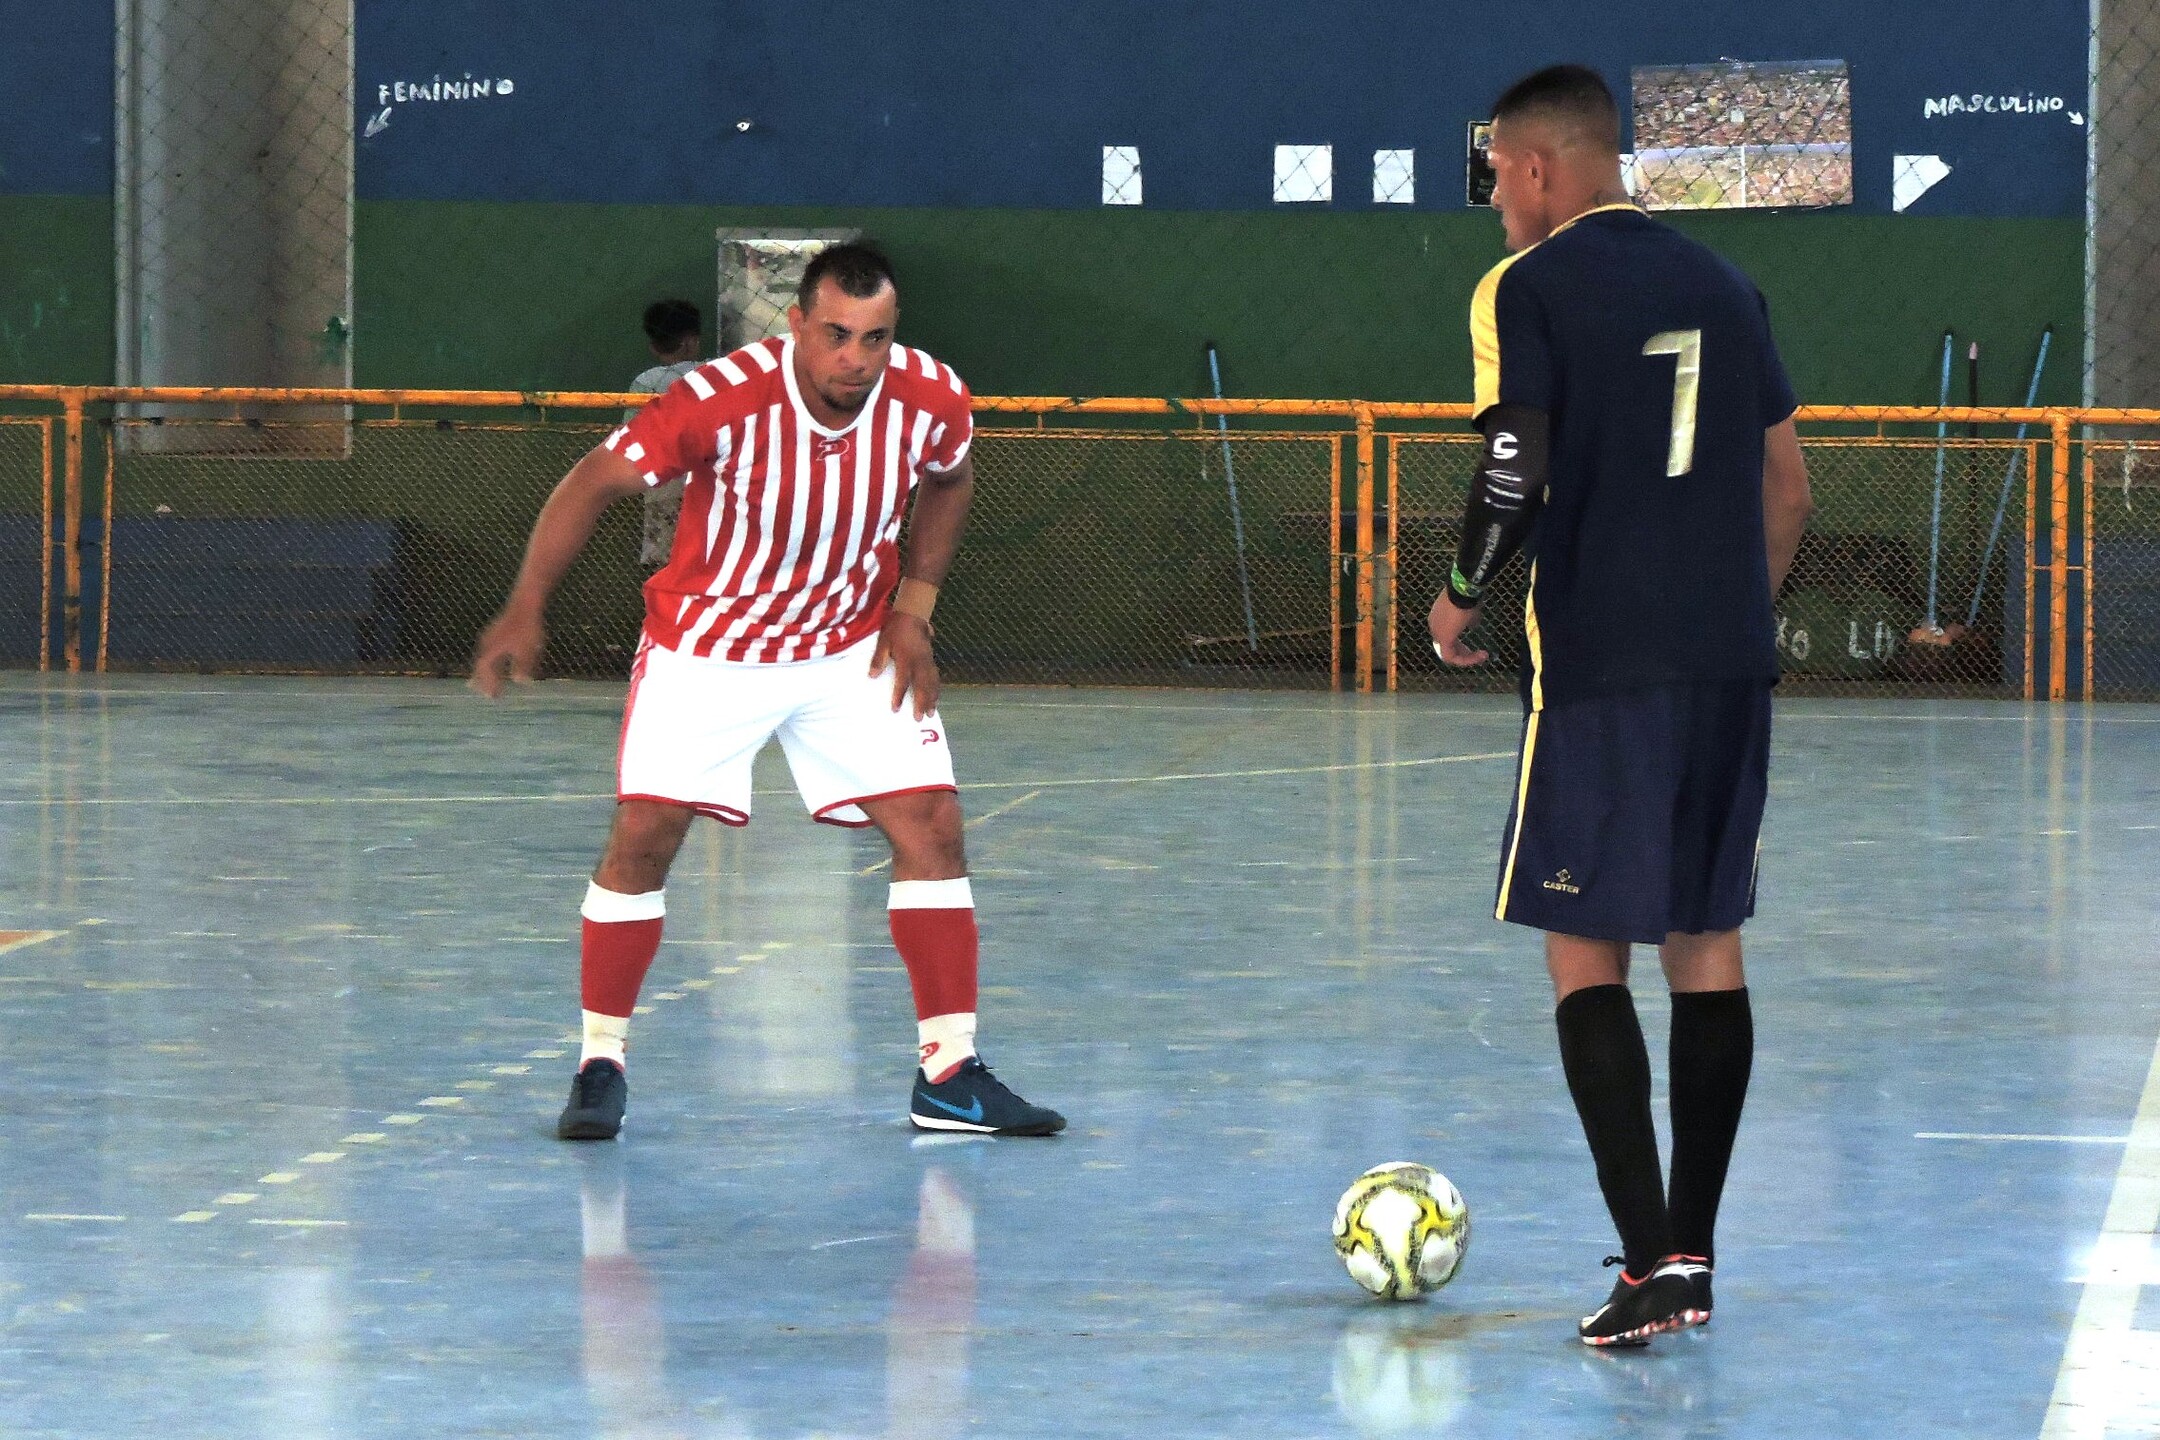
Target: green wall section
x=56 y=290
x=1098 y=302
x=1058 y=303
x=1121 y=301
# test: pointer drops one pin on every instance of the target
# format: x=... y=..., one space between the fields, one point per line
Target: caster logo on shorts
x=929 y=736
x=1564 y=883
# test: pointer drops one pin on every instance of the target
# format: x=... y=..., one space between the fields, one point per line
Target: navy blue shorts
x=1636 y=814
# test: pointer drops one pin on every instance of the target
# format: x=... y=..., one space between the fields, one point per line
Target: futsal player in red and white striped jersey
x=785 y=610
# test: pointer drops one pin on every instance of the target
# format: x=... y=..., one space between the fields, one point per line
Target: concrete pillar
x=234 y=191
x=2123 y=256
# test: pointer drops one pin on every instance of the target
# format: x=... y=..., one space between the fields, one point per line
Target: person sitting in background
x=676 y=332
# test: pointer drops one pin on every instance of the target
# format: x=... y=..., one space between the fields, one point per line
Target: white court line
x=2022 y=716
x=1244 y=774
x=65 y=1218
x=1257 y=709
x=562 y=797
x=1510 y=714
x=2110 y=1373
x=2040 y=1139
x=1007 y=808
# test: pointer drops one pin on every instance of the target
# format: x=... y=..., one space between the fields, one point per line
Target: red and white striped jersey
x=788 y=545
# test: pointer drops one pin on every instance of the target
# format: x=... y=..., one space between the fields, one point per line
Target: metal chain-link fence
x=2122 y=267
x=233 y=140
x=1154 y=556
x=2119 y=508
x=1733 y=135
x=1134 y=549
x=229 y=550
x=1112 y=554
x=1853 y=615
x=1111 y=542
x=28 y=597
x=309 y=192
x=306 y=194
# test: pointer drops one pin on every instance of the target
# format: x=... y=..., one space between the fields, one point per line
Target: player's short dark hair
x=859 y=268
x=1573 y=96
x=670 y=322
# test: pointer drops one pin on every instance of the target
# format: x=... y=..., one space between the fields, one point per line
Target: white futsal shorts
x=693 y=725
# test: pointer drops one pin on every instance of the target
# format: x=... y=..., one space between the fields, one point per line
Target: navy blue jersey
x=1653 y=359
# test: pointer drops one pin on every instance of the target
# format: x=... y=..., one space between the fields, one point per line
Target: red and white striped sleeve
x=673 y=434
x=952 y=429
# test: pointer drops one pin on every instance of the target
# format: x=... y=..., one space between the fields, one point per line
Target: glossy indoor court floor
x=290 y=986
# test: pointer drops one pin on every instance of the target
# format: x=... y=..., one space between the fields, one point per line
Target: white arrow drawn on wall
x=376 y=124
x=2077 y=117
x=1912 y=176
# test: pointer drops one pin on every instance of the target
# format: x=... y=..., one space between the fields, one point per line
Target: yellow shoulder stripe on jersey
x=1485 y=336
x=1529 y=744
x=1484 y=321
x=1597 y=210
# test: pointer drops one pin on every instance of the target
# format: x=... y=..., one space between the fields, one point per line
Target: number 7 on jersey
x=1686 y=348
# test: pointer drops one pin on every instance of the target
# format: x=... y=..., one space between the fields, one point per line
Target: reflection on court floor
x=288 y=981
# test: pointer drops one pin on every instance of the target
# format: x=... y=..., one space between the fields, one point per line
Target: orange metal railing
x=1364 y=535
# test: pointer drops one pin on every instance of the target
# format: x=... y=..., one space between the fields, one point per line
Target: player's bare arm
x=934 y=530
x=509 y=648
x=1504 y=497
x=1787 y=501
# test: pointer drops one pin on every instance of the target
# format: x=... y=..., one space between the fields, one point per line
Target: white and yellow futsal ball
x=1401 y=1230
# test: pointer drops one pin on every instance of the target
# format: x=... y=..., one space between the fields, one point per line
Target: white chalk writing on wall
x=436 y=89
x=1935 y=107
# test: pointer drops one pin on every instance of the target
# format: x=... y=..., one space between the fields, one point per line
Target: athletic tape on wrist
x=917 y=598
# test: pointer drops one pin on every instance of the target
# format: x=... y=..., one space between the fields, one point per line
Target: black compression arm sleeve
x=1504 y=498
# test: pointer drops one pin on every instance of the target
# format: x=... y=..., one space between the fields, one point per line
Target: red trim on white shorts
x=725 y=814
x=823 y=814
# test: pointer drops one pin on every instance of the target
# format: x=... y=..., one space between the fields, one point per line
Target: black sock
x=1713 y=1049
x=1608 y=1073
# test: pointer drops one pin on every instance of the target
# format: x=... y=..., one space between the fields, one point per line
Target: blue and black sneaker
x=974 y=1100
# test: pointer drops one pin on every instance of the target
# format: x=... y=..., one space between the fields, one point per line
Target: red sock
x=939 y=947
x=933 y=927
x=622 y=934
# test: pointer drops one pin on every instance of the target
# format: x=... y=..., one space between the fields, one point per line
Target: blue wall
x=994 y=104
x=56 y=97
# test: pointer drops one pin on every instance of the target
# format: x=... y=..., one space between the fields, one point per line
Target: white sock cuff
x=948 y=1028
x=608 y=907
x=931 y=895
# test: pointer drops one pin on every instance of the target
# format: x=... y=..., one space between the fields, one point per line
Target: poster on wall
x=1477 y=164
x=1742 y=134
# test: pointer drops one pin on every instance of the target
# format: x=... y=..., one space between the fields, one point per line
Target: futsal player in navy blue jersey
x=1639 y=439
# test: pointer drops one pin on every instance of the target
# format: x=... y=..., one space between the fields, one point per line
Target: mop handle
x=1942 y=434
x=2002 y=501
x=1237 y=514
